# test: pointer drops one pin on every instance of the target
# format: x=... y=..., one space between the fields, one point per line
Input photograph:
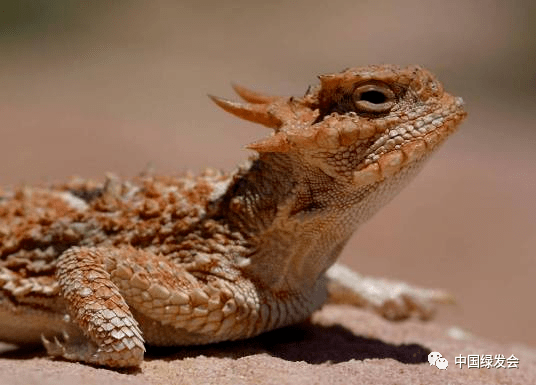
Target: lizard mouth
x=407 y=143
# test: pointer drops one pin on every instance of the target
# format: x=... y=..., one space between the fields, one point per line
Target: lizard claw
x=55 y=348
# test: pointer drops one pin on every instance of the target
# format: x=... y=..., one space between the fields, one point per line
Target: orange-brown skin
x=95 y=270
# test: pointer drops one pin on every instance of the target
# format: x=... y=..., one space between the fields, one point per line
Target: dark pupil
x=374 y=97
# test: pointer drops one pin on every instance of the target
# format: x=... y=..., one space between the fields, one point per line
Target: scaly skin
x=96 y=270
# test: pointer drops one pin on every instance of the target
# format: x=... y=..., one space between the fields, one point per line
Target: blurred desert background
x=92 y=87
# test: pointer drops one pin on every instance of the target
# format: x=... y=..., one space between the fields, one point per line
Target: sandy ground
x=341 y=345
x=87 y=89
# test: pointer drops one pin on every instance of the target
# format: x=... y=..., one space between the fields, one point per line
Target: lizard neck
x=297 y=219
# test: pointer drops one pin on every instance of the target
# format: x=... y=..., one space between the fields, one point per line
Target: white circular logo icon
x=442 y=363
x=432 y=357
x=435 y=358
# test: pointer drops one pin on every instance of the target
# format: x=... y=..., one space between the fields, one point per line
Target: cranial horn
x=278 y=142
x=257 y=113
x=252 y=96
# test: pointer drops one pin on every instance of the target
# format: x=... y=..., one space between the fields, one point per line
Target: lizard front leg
x=107 y=289
x=97 y=306
x=391 y=299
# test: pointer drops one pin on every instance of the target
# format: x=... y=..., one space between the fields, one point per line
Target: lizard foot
x=82 y=349
x=392 y=300
x=86 y=350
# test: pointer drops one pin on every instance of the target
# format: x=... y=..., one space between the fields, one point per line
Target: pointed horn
x=329 y=80
x=326 y=78
x=252 y=96
x=256 y=113
x=275 y=143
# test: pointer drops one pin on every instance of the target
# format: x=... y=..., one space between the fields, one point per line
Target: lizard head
x=362 y=124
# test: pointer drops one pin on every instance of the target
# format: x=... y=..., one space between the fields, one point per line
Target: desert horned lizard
x=96 y=270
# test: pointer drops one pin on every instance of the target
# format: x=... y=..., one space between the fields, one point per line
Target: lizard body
x=97 y=270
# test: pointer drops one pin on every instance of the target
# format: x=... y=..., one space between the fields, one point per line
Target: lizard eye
x=373 y=98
